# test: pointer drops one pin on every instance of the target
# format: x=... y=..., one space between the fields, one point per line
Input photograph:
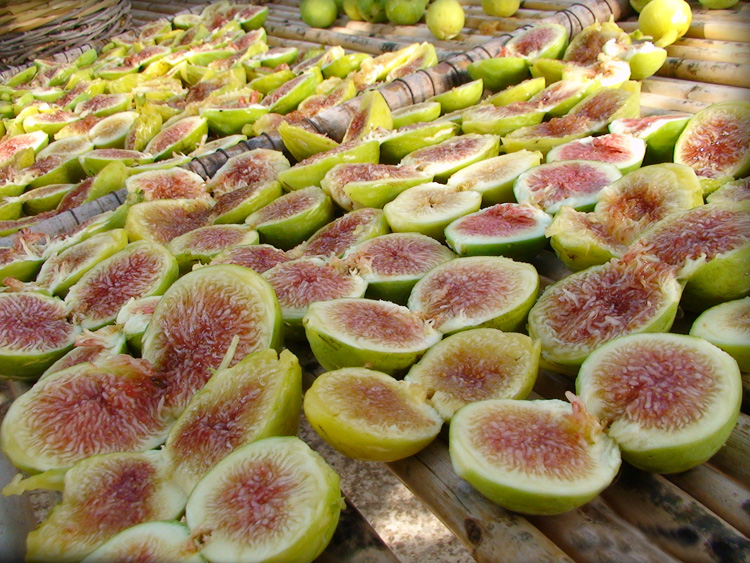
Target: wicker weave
x=37 y=29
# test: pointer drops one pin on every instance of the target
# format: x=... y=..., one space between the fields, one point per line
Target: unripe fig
x=445 y=18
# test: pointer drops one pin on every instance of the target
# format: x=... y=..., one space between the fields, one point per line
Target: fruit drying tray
x=699 y=515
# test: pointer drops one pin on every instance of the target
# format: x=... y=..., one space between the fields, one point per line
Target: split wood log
x=654 y=104
x=734 y=458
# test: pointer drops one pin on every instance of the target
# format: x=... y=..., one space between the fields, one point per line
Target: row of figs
x=408 y=256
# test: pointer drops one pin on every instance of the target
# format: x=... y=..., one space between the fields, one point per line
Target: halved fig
x=198 y=317
x=302 y=281
x=109 y=405
x=48 y=121
x=560 y=96
x=202 y=244
x=162 y=220
x=166 y=184
x=358 y=185
x=258 y=257
x=102 y=105
x=343 y=66
x=731 y=191
x=367 y=414
x=291 y=218
x=505 y=229
x=493 y=177
x=711 y=244
x=310 y=172
x=460 y=97
x=19 y=262
x=586 y=46
x=182 y=136
x=304 y=141
x=102 y=496
x=95 y=160
x=277 y=56
x=724 y=127
x=226 y=120
x=275 y=498
x=392 y=263
x=582 y=311
x=609 y=72
x=659 y=131
x=429 y=207
x=670 y=401
x=141 y=269
x=547 y=40
x=607 y=104
x=533 y=457
x=624 y=151
x=258 y=397
x=34 y=333
x=153 y=541
x=726 y=325
x=582 y=239
x=520 y=92
x=111 y=131
x=336 y=237
x=476 y=292
x=10 y=146
x=446 y=158
x=500 y=120
x=100 y=345
x=644 y=196
x=425 y=56
x=132 y=320
x=499 y=72
x=394 y=146
x=360 y=332
x=287 y=97
x=62 y=270
x=211 y=147
x=415 y=113
x=55 y=169
x=372 y=112
x=476 y=365
x=77 y=145
x=575 y=183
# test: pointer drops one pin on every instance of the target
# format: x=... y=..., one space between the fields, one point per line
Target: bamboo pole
x=706 y=54
x=727 y=73
x=734 y=458
x=693 y=91
x=714 y=30
x=656 y=103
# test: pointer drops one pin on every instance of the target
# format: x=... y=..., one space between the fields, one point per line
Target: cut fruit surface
x=362 y=332
x=669 y=400
x=582 y=311
x=476 y=365
x=369 y=415
x=570 y=462
x=624 y=151
x=727 y=325
x=299 y=493
x=476 y=291
x=446 y=158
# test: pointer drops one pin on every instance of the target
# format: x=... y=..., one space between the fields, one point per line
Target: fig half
x=533 y=457
x=272 y=499
x=259 y=396
x=727 y=325
x=724 y=127
x=196 y=320
x=582 y=311
x=34 y=333
x=153 y=541
x=476 y=291
x=86 y=409
x=476 y=365
x=369 y=415
x=102 y=496
x=670 y=400
x=359 y=332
